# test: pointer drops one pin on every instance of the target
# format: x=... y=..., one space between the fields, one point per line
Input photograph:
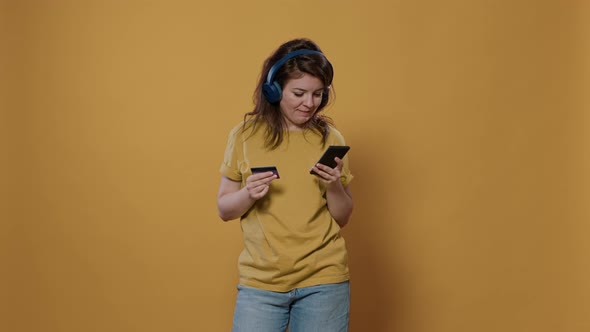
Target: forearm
x=233 y=200
x=233 y=205
x=340 y=203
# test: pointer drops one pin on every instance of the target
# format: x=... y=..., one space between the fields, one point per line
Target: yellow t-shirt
x=290 y=238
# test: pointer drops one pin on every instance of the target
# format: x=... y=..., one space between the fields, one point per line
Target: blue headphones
x=272 y=90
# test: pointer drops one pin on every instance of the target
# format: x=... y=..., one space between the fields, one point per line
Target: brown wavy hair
x=315 y=65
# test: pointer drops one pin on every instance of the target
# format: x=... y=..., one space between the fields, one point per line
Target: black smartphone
x=263 y=169
x=332 y=152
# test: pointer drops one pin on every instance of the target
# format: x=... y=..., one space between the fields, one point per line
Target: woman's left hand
x=327 y=174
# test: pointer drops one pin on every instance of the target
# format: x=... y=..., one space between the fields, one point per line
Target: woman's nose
x=309 y=101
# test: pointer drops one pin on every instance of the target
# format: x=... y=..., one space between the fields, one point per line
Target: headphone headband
x=272 y=90
x=289 y=56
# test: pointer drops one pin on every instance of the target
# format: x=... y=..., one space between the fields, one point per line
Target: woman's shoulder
x=244 y=129
x=335 y=136
x=236 y=128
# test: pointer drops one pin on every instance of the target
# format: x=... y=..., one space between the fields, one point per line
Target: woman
x=293 y=269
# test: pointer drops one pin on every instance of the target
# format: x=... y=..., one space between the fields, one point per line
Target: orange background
x=468 y=122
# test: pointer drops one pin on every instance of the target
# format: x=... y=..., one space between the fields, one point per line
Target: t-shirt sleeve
x=231 y=158
x=345 y=176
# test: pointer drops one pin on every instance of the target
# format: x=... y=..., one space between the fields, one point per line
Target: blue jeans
x=322 y=308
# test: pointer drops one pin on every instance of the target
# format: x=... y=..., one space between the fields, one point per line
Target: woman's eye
x=299 y=94
x=319 y=94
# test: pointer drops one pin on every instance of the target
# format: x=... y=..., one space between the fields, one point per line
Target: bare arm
x=338 y=196
x=233 y=201
x=339 y=203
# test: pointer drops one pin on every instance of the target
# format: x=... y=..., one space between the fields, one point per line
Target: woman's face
x=301 y=98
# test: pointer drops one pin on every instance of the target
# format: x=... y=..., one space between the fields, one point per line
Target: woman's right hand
x=258 y=184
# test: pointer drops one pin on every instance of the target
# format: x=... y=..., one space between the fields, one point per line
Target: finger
x=328 y=171
x=324 y=175
x=339 y=163
x=264 y=188
x=266 y=181
x=257 y=180
x=258 y=184
x=261 y=193
x=323 y=168
x=258 y=192
x=261 y=176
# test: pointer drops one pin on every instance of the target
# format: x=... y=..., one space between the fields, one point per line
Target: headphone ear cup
x=272 y=92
